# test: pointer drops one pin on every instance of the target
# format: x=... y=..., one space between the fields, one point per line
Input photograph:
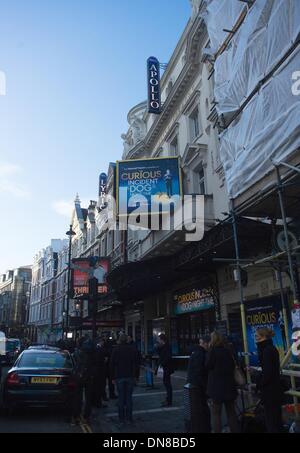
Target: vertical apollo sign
x=154 y=95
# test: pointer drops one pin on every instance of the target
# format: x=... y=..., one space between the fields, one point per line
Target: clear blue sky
x=73 y=68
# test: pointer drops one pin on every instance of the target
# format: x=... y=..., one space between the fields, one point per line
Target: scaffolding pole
x=291 y=267
x=242 y=303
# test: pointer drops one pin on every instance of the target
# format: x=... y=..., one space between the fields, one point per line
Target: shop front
x=194 y=315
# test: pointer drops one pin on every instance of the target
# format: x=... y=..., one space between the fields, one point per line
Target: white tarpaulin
x=220 y=15
x=270 y=29
x=269 y=127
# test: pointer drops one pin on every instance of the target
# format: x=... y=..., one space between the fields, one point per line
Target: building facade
x=147 y=275
x=160 y=281
x=43 y=320
x=14 y=293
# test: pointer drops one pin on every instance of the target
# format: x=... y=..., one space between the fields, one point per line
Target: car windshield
x=36 y=359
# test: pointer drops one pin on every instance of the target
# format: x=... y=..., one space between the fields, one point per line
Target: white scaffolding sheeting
x=270 y=29
x=220 y=15
x=269 y=125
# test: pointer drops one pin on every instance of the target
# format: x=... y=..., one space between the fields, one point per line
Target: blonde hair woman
x=268 y=383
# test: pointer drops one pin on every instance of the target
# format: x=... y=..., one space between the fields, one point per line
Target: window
x=195 y=125
x=103 y=247
x=201 y=180
x=174 y=147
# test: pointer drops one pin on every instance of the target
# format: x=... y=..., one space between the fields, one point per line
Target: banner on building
x=146 y=184
x=86 y=269
x=154 y=93
x=193 y=300
x=265 y=312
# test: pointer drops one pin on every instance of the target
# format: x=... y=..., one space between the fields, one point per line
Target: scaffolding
x=288 y=369
x=255 y=47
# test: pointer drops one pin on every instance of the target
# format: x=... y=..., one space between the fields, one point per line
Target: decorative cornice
x=196 y=35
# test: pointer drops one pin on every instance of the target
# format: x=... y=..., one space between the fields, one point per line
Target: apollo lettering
x=154 y=100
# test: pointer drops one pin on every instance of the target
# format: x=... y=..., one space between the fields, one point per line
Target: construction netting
x=269 y=125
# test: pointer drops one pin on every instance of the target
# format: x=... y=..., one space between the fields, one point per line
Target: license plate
x=44 y=380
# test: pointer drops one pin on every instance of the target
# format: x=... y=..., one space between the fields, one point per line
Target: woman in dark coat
x=222 y=388
x=268 y=383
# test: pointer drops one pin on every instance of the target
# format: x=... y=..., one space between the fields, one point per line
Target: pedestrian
x=197 y=375
x=222 y=389
x=139 y=355
x=166 y=362
x=108 y=347
x=85 y=372
x=124 y=370
x=149 y=372
x=269 y=381
x=99 y=374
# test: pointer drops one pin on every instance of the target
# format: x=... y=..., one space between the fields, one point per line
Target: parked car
x=10 y=348
x=13 y=349
x=40 y=378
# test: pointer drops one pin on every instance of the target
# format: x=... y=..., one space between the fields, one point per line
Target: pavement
x=149 y=416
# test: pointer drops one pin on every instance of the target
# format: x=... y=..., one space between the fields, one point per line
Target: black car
x=41 y=378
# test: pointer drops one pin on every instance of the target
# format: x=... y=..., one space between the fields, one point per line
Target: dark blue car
x=41 y=378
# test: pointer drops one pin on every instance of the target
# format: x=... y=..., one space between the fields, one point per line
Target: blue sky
x=73 y=70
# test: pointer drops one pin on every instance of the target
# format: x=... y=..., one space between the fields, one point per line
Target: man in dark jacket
x=124 y=371
x=166 y=362
x=85 y=373
x=197 y=376
x=99 y=373
x=268 y=383
x=108 y=347
x=139 y=356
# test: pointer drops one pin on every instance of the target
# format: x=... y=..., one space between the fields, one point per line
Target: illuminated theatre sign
x=188 y=301
x=102 y=190
x=147 y=184
x=154 y=94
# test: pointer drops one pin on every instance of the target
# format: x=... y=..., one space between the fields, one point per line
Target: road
x=149 y=416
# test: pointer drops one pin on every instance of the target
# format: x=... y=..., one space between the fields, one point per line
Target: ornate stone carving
x=195 y=4
x=137 y=128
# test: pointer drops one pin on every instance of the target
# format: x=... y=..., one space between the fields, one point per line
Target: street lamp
x=69 y=233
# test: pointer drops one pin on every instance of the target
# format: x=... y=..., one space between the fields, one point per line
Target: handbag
x=239 y=376
x=160 y=372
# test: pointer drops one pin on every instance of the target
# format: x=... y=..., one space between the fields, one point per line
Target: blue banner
x=149 y=181
x=154 y=94
x=266 y=312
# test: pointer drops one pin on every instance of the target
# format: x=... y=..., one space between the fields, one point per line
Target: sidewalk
x=149 y=417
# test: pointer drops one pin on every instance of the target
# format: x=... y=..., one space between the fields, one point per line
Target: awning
x=136 y=280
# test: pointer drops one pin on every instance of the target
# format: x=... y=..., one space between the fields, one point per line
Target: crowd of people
x=114 y=366
x=213 y=370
